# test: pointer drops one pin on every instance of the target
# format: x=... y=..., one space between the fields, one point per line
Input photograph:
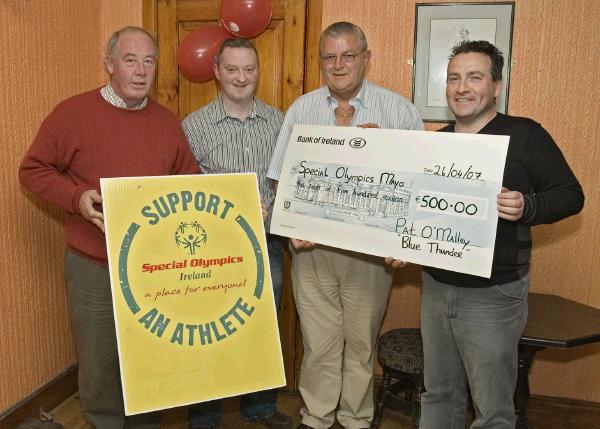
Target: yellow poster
x=191 y=285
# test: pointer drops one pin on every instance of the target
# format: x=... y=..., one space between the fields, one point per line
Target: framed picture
x=441 y=26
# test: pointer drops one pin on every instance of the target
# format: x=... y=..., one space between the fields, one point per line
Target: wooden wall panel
x=554 y=80
x=51 y=49
x=192 y=95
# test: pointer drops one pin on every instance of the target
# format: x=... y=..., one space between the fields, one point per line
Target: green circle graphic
x=133 y=230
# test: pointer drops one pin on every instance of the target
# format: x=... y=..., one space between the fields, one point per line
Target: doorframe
x=150 y=24
x=314 y=26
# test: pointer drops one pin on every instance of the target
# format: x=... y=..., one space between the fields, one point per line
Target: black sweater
x=535 y=167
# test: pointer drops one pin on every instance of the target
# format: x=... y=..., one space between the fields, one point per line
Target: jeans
x=471 y=336
x=257 y=404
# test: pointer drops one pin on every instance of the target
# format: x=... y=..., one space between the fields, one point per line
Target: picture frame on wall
x=441 y=26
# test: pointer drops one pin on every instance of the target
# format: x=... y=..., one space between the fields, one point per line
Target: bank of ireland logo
x=357 y=143
x=190 y=236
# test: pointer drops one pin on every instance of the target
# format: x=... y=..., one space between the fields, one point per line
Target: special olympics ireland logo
x=190 y=236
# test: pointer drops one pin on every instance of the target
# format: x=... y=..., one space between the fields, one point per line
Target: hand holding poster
x=192 y=295
x=424 y=197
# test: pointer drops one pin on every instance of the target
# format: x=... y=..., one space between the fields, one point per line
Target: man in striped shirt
x=341 y=296
x=236 y=133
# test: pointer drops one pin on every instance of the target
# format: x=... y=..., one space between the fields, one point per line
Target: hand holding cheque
x=510 y=207
x=422 y=197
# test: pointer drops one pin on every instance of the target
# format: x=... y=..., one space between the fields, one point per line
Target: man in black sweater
x=471 y=325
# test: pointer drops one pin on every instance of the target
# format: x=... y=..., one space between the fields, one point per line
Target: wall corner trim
x=48 y=397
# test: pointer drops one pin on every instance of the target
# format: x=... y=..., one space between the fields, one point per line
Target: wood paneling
x=554 y=79
x=51 y=49
x=312 y=76
x=193 y=95
x=282 y=70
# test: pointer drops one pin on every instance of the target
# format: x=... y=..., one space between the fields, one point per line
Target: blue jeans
x=471 y=336
x=257 y=404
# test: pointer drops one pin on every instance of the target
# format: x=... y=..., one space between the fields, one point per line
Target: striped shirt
x=224 y=144
x=108 y=93
x=373 y=104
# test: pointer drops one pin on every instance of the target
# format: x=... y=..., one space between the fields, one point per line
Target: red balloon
x=196 y=54
x=246 y=18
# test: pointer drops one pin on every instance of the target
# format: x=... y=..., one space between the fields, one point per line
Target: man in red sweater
x=113 y=131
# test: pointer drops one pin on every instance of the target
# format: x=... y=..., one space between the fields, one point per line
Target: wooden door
x=281 y=48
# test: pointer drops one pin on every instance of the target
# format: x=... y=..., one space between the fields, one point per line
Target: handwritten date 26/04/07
x=453 y=171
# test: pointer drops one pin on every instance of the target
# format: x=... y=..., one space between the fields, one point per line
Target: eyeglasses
x=349 y=58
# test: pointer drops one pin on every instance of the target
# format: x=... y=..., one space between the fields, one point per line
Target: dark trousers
x=93 y=323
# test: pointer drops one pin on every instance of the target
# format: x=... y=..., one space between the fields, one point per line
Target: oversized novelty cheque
x=191 y=285
x=424 y=197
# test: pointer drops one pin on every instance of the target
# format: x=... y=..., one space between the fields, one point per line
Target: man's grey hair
x=111 y=45
x=338 y=29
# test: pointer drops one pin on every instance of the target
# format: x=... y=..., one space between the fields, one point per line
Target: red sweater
x=86 y=138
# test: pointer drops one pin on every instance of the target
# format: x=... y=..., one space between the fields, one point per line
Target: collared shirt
x=224 y=144
x=373 y=104
x=109 y=94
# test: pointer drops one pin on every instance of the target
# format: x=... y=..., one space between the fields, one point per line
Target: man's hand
x=396 y=263
x=369 y=125
x=87 y=210
x=302 y=244
x=510 y=204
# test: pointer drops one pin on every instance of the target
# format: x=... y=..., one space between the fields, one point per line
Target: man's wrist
x=529 y=208
x=79 y=191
